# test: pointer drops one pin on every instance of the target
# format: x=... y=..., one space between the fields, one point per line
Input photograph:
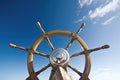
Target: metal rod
x=79 y=30
x=90 y=50
x=41 y=70
x=75 y=70
x=46 y=37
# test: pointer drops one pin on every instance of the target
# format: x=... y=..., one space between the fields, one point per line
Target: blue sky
x=18 y=25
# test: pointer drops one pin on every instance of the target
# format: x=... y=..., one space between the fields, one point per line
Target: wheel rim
x=63 y=33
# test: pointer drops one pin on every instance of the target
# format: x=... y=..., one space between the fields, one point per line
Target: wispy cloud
x=103 y=10
x=104 y=74
x=109 y=20
x=80 y=20
x=100 y=74
x=84 y=2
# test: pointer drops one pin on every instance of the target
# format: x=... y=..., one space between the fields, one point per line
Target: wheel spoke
x=69 y=44
x=89 y=51
x=46 y=37
x=41 y=54
x=79 y=30
x=18 y=47
x=29 y=50
x=75 y=70
x=81 y=27
x=49 y=42
x=40 y=27
x=76 y=54
x=52 y=73
x=43 y=69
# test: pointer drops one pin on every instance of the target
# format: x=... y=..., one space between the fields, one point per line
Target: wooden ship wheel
x=59 y=58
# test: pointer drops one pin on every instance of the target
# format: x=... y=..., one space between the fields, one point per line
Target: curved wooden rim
x=64 y=33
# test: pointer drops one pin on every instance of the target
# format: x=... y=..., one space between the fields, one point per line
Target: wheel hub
x=59 y=57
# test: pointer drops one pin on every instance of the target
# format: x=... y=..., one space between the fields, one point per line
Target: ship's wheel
x=59 y=58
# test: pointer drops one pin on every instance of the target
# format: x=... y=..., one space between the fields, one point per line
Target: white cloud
x=100 y=74
x=109 y=20
x=80 y=20
x=84 y=2
x=103 y=10
x=104 y=74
